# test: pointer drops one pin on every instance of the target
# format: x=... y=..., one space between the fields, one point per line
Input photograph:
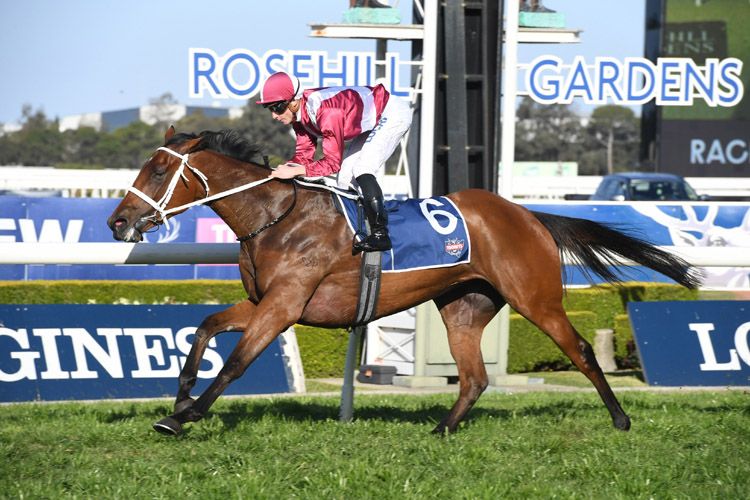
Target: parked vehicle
x=644 y=186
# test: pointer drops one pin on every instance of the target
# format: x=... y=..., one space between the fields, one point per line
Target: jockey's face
x=286 y=116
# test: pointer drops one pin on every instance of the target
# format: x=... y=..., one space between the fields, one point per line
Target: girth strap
x=369 y=287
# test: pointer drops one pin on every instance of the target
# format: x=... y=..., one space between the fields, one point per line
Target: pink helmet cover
x=279 y=87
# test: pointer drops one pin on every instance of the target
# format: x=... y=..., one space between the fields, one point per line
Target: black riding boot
x=377 y=216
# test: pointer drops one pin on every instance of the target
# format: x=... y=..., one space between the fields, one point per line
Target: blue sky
x=83 y=56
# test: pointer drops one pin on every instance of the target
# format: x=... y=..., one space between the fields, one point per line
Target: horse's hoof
x=183 y=405
x=168 y=426
x=622 y=423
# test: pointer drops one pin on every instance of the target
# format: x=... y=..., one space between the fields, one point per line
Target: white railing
x=113 y=183
x=227 y=253
x=553 y=188
x=119 y=253
x=71 y=183
x=109 y=183
x=558 y=187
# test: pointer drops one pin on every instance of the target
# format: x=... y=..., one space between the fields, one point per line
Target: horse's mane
x=226 y=142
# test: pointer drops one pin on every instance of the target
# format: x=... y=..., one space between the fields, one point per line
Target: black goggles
x=277 y=107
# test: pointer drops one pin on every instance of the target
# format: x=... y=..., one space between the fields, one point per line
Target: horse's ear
x=169 y=134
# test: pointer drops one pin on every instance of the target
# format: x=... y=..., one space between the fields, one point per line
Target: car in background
x=645 y=186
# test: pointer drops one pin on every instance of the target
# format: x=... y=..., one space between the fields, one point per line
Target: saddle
x=426 y=234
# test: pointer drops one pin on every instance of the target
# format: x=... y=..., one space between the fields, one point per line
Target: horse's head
x=161 y=184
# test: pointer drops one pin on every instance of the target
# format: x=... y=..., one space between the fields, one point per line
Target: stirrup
x=373 y=243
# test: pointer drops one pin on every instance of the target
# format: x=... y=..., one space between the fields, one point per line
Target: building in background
x=107 y=121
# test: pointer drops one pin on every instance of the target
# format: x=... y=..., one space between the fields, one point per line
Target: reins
x=275 y=221
x=161 y=206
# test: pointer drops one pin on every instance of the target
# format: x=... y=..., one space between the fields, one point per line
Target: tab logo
x=51 y=231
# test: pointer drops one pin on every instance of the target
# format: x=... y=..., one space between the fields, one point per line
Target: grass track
x=532 y=445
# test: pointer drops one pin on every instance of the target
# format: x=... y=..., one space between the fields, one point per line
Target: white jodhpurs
x=369 y=151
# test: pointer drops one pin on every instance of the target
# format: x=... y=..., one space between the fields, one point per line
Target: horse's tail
x=597 y=246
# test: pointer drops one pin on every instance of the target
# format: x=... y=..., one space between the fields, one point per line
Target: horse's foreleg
x=555 y=323
x=232 y=319
x=465 y=319
x=266 y=323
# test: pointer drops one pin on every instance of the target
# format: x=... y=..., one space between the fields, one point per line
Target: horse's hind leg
x=465 y=312
x=528 y=276
x=232 y=319
x=553 y=321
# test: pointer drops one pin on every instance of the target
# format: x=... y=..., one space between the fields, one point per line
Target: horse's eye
x=159 y=174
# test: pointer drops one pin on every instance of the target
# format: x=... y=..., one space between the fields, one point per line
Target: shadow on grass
x=638 y=374
x=135 y=410
x=425 y=414
x=431 y=412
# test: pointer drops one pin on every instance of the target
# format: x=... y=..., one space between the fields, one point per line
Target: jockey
x=372 y=119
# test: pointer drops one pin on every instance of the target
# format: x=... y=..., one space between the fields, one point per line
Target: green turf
x=532 y=445
x=625 y=378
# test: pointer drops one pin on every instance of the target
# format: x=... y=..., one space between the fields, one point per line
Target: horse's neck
x=245 y=210
x=225 y=173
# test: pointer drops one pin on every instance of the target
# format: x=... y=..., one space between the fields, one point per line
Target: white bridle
x=161 y=205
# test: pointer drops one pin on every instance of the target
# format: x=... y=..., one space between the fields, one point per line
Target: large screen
x=700 y=140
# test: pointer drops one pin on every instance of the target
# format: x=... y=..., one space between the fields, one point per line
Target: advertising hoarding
x=693 y=343
x=72 y=220
x=701 y=140
x=67 y=351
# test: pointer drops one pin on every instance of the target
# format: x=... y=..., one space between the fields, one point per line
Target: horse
x=297 y=266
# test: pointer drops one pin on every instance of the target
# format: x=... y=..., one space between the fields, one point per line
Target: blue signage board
x=695 y=343
x=57 y=220
x=79 y=352
x=73 y=220
x=672 y=224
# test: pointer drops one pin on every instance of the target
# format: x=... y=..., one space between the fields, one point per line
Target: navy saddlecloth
x=426 y=233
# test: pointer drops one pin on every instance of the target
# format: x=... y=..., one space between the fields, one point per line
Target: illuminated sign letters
x=671 y=81
x=239 y=73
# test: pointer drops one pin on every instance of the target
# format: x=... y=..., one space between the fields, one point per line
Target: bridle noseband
x=160 y=207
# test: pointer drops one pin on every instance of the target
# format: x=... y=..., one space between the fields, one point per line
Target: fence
x=28 y=181
x=113 y=183
x=227 y=253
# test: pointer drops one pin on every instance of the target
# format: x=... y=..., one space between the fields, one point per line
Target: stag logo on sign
x=714 y=226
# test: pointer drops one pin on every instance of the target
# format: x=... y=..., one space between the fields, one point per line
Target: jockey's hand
x=287 y=171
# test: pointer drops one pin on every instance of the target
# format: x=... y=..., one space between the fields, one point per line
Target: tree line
x=40 y=143
x=608 y=141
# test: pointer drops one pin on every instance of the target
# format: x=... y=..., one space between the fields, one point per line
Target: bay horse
x=297 y=267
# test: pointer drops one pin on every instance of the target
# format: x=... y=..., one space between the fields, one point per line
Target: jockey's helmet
x=279 y=87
